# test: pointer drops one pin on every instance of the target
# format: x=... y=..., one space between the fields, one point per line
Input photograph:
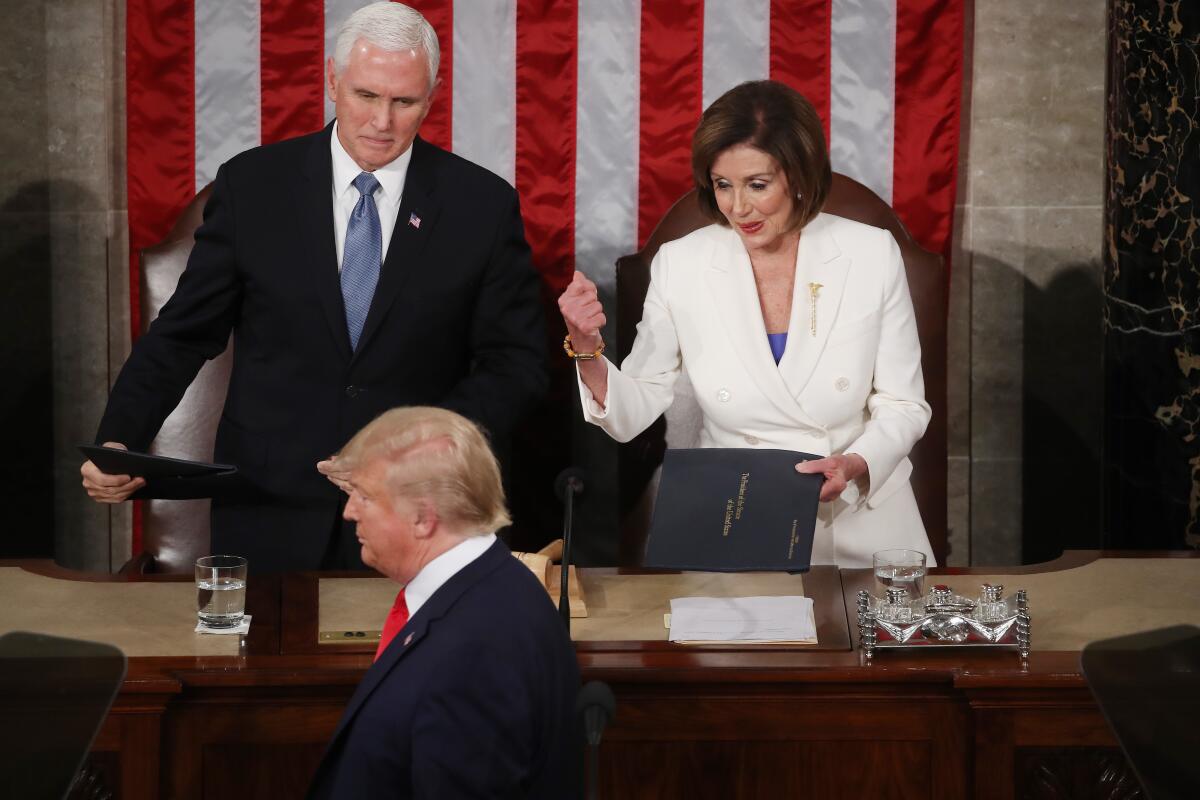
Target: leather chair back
x=639 y=459
x=176 y=532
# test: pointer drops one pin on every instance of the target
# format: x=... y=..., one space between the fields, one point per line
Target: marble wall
x=64 y=266
x=1152 y=276
x=1025 y=321
x=1027 y=289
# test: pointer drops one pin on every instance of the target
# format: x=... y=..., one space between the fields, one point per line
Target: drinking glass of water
x=221 y=591
x=900 y=569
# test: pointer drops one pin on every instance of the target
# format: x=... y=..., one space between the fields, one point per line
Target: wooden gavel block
x=542 y=565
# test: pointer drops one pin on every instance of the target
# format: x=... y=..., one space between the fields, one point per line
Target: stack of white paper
x=743 y=619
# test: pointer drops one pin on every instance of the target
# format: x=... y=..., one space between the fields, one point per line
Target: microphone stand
x=571 y=484
x=597 y=705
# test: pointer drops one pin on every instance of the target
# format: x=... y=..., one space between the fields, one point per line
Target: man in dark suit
x=358 y=269
x=473 y=687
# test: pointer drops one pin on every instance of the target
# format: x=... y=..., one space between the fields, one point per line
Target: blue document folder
x=734 y=510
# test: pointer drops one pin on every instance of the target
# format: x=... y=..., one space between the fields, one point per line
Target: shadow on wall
x=32 y=231
x=1063 y=412
x=27 y=478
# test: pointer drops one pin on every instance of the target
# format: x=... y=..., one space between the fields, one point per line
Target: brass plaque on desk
x=349 y=637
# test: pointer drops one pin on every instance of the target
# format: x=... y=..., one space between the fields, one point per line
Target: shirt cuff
x=591 y=409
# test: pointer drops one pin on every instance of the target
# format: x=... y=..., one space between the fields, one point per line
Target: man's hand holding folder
x=113 y=474
x=105 y=488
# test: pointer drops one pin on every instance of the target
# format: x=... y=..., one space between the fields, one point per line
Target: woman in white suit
x=795 y=327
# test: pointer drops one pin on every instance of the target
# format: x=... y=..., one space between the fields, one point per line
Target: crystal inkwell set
x=903 y=616
x=944 y=619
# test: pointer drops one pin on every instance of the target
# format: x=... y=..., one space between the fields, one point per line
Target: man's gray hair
x=392 y=27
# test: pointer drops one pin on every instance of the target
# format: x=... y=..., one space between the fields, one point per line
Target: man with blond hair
x=473 y=686
x=358 y=268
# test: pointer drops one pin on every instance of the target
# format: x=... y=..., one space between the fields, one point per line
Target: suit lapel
x=415 y=219
x=820 y=262
x=417 y=629
x=730 y=280
x=316 y=222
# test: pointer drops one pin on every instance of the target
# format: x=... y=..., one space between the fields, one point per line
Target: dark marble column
x=1152 y=275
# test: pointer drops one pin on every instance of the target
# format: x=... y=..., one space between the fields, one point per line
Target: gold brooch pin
x=813 y=290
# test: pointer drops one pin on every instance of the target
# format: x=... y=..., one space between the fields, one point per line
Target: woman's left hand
x=838 y=470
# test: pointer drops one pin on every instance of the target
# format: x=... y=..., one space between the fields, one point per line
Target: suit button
x=751 y=440
x=352 y=391
x=841 y=384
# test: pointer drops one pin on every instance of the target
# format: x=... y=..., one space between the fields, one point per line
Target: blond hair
x=435 y=455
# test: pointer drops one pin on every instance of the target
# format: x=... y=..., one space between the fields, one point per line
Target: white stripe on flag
x=336 y=12
x=737 y=44
x=606 y=137
x=484 y=118
x=863 y=91
x=228 y=99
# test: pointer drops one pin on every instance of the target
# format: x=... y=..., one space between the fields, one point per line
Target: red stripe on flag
x=160 y=136
x=436 y=128
x=292 y=51
x=800 y=50
x=672 y=49
x=160 y=133
x=929 y=42
x=545 y=153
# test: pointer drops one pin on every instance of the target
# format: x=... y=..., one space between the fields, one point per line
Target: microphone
x=597 y=705
x=568 y=485
x=570 y=479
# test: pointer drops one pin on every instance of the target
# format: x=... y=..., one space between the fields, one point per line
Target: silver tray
x=942 y=619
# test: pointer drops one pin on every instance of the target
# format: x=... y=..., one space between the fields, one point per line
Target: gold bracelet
x=570 y=351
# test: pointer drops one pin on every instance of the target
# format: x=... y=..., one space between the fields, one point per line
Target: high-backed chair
x=176 y=532
x=679 y=427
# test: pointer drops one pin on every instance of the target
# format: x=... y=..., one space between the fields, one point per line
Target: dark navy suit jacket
x=455 y=321
x=474 y=698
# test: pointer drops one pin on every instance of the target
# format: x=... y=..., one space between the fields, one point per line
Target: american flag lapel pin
x=415 y=221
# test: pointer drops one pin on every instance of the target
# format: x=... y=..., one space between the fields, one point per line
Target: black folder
x=166 y=478
x=734 y=510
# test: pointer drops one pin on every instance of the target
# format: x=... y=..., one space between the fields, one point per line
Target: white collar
x=391 y=176
x=441 y=569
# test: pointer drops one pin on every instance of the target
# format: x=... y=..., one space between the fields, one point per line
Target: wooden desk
x=714 y=721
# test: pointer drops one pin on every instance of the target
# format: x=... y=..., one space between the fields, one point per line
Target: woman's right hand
x=583 y=314
x=581 y=310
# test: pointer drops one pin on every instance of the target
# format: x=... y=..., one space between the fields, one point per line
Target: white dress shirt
x=442 y=569
x=345 y=196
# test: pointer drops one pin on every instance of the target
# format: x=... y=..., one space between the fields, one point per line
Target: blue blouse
x=778 y=344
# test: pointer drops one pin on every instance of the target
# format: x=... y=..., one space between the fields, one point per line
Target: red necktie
x=396 y=619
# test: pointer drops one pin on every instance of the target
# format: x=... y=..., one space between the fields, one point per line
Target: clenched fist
x=582 y=312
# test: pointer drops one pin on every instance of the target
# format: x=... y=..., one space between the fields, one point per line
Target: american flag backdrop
x=586 y=106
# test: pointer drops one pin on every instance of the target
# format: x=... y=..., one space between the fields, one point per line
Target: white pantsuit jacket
x=849 y=380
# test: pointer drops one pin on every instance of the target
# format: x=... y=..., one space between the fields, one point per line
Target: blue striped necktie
x=361 y=257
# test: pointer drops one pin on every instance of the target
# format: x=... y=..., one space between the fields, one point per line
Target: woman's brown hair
x=777 y=120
